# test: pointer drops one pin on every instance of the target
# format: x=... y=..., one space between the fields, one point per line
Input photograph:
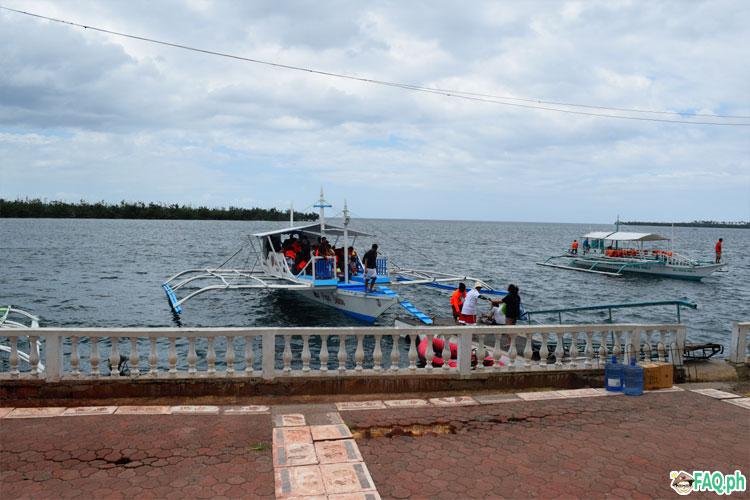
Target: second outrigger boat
x=616 y=252
x=328 y=279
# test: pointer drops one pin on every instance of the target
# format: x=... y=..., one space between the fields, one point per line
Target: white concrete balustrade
x=329 y=352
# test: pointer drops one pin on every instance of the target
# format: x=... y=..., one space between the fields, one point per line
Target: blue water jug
x=633 y=379
x=613 y=375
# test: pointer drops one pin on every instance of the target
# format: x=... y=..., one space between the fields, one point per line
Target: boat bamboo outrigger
x=328 y=279
x=618 y=252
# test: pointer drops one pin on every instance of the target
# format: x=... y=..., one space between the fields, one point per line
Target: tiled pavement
x=556 y=444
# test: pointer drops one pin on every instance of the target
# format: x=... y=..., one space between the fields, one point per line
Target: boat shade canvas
x=598 y=235
x=314 y=229
x=625 y=236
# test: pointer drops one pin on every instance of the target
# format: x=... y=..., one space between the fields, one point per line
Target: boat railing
x=740 y=344
x=610 y=307
x=275 y=353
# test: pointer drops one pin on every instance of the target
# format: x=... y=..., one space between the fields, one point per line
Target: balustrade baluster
x=211 y=357
x=377 y=354
x=496 y=352
x=359 y=354
x=324 y=353
x=543 y=352
x=14 y=356
x=192 y=357
x=512 y=351
x=589 y=350
x=559 y=351
x=342 y=353
x=647 y=346
x=34 y=356
x=480 y=352
x=662 y=347
x=413 y=353
x=630 y=346
x=446 y=354
x=528 y=351
x=395 y=353
x=172 y=357
x=616 y=350
x=230 y=356
x=603 y=348
x=249 y=354
x=75 y=359
x=287 y=354
x=94 y=357
x=114 y=359
x=306 y=353
x=153 y=358
x=429 y=353
x=574 y=351
x=134 y=358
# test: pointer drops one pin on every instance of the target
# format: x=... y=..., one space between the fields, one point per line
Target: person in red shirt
x=575 y=246
x=718 y=250
x=457 y=300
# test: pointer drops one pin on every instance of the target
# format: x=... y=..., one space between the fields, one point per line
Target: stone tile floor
x=568 y=445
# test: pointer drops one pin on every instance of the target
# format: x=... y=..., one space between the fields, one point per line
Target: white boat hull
x=365 y=307
x=689 y=272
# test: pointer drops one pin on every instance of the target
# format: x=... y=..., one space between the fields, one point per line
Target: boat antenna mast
x=346 y=243
x=322 y=204
x=291 y=214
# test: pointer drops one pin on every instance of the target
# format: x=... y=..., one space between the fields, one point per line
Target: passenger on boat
x=457 y=301
x=353 y=265
x=718 y=250
x=370 y=261
x=469 y=309
x=586 y=246
x=575 y=246
x=512 y=303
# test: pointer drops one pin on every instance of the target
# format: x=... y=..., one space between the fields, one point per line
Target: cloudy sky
x=96 y=116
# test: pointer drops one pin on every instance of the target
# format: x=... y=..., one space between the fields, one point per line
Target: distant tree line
x=37 y=208
x=695 y=223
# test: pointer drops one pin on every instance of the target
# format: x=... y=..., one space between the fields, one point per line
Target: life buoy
x=437 y=349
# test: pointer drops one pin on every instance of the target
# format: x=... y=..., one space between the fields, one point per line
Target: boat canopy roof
x=314 y=229
x=624 y=236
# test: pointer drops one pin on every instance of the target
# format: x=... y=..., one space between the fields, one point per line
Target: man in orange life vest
x=718 y=250
x=575 y=246
x=457 y=300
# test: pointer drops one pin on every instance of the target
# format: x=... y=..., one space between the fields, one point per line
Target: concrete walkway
x=557 y=444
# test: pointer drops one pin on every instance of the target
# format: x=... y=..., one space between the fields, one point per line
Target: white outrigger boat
x=618 y=252
x=12 y=318
x=322 y=278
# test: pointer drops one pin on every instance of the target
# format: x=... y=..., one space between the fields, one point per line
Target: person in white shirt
x=469 y=310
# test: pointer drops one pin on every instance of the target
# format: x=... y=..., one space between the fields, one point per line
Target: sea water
x=108 y=273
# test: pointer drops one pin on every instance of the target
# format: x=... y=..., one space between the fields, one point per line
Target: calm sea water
x=108 y=273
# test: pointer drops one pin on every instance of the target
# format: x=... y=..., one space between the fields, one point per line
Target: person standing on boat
x=469 y=309
x=457 y=300
x=370 y=261
x=575 y=246
x=586 y=246
x=718 y=250
x=512 y=303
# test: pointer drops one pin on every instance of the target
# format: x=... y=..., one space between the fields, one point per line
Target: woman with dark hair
x=512 y=303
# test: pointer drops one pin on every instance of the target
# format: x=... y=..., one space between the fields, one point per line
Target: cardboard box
x=657 y=375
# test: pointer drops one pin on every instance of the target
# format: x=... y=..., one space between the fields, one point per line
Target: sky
x=502 y=109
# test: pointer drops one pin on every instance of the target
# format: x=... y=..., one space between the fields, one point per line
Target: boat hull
x=653 y=269
x=364 y=307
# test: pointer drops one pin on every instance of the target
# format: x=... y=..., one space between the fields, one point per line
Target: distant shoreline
x=38 y=209
x=729 y=225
